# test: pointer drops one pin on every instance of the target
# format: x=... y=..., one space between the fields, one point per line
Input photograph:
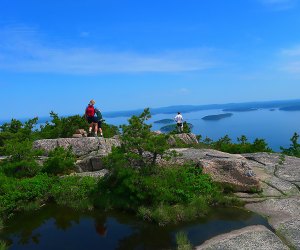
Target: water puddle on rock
x=54 y=227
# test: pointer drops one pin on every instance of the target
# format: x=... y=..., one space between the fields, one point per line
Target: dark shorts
x=91 y=120
x=179 y=124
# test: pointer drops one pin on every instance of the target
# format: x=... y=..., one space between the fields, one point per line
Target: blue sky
x=57 y=55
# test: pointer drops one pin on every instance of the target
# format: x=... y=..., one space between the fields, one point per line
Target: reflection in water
x=100 y=227
x=55 y=227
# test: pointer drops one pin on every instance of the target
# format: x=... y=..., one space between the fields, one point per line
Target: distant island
x=291 y=108
x=227 y=107
x=171 y=127
x=216 y=117
x=164 y=121
x=243 y=109
x=284 y=105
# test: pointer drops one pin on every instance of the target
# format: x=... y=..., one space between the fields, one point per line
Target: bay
x=275 y=126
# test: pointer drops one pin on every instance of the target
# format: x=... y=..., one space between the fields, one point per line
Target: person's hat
x=92 y=102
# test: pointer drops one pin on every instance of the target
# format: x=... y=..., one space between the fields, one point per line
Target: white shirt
x=179 y=118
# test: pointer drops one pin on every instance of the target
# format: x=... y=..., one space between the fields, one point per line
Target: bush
x=187 y=128
x=164 y=214
x=20 y=150
x=109 y=130
x=16 y=194
x=3 y=245
x=138 y=140
x=60 y=161
x=130 y=188
x=75 y=192
x=225 y=144
x=20 y=169
x=294 y=149
x=62 y=127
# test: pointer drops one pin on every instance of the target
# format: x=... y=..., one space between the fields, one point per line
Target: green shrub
x=294 y=149
x=3 y=245
x=20 y=169
x=16 y=194
x=187 y=128
x=109 y=130
x=138 y=139
x=65 y=127
x=60 y=161
x=20 y=150
x=62 y=127
x=130 y=188
x=75 y=192
x=183 y=242
x=225 y=144
x=164 y=214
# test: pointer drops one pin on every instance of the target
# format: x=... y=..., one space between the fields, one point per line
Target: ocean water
x=276 y=127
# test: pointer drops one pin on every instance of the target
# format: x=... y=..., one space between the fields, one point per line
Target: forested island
x=216 y=117
x=164 y=121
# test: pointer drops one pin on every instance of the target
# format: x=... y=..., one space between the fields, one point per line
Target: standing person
x=99 y=119
x=179 y=120
x=90 y=117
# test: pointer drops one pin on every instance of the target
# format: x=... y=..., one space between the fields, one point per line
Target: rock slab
x=284 y=217
x=224 y=168
x=248 y=238
x=80 y=146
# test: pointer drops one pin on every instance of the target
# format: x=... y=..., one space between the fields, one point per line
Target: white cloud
x=279 y=5
x=290 y=60
x=84 y=34
x=184 y=91
x=291 y=52
x=21 y=50
x=292 y=67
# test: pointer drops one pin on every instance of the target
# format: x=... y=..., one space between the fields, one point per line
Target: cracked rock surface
x=279 y=201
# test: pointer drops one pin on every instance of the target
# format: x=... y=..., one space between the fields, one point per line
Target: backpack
x=90 y=111
x=99 y=115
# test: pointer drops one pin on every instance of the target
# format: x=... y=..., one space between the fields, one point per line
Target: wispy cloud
x=22 y=50
x=84 y=34
x=184 y=91
x=291 y=60
x=279 y=5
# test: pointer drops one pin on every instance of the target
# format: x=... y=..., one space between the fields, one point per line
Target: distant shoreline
x=283 y=105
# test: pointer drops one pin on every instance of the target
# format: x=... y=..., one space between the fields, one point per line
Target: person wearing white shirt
x=179 y=120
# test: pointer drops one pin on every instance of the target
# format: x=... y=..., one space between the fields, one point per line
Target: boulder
x=80 y=146
x=77 y=136
x=188 y=139
x=224 y=168
x=90 y=163
x=95 y=174
x=248 y=238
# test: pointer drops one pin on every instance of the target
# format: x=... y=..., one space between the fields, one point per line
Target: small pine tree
x=138 y=140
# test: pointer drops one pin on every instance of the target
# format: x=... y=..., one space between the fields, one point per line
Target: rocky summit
x=277 y=178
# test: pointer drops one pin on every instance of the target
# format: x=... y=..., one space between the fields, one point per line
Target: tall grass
x=183 y=242
x=3 y=246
